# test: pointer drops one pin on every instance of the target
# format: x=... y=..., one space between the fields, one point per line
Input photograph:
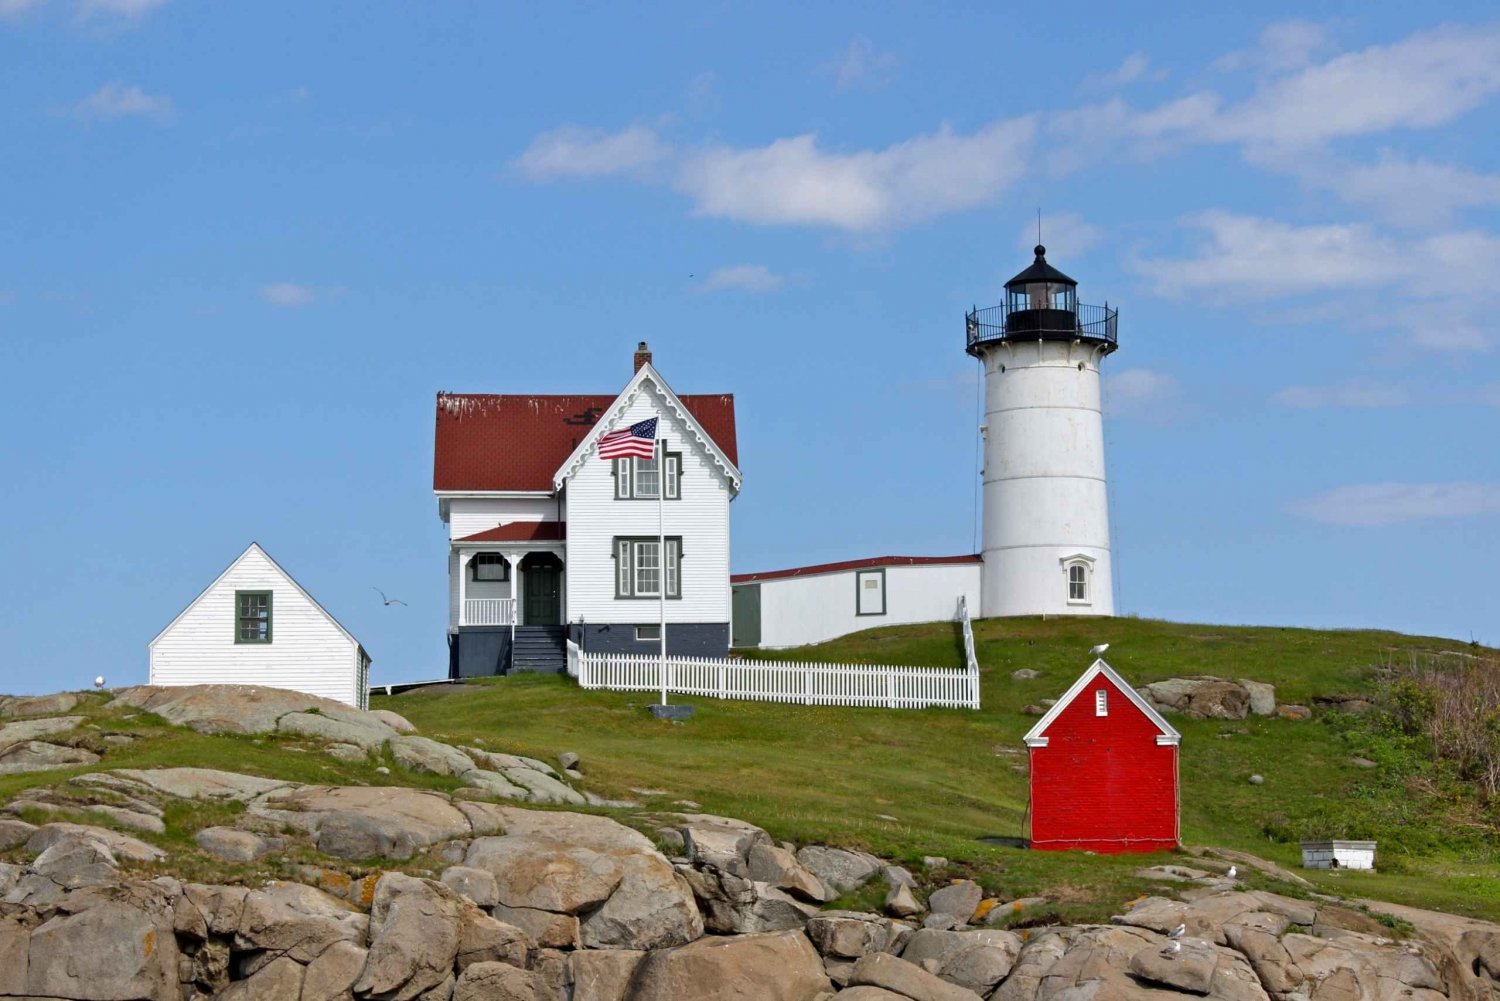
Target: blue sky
x=245 y=245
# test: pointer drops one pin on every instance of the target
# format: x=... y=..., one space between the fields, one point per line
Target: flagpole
x=661 y=552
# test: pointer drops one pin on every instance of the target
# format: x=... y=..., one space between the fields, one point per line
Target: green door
x=542 y=586
x=745 y=604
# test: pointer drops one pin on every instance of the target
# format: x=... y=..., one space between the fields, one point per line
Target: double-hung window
x=252 y=616
x=641 y=571
x=639 y=479
x=1078 y=582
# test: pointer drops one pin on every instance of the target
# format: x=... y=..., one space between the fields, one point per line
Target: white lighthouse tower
x=1046 y=512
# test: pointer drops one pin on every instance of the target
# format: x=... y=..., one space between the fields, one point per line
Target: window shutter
x=622 y=568
x=673 y=464
x=674 y=582
x=622 y=479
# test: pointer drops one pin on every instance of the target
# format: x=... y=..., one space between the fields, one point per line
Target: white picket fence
x=891 y=687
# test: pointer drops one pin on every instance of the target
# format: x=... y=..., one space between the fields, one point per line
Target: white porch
x=491 y=596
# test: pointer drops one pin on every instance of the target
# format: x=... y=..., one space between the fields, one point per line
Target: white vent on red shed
x=1101 y=702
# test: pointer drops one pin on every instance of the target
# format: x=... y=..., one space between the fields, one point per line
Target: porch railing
x=488 y=612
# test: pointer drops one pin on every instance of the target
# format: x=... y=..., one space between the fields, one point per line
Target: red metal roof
x=873 y=562
x=522 y=531
x=488 y=442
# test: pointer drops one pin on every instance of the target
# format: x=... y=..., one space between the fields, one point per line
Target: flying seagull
x=388 y=601
x=1099 y=650
x=1177 y=933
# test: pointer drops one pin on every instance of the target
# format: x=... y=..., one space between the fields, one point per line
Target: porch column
x=463 y=586
x=513 y=561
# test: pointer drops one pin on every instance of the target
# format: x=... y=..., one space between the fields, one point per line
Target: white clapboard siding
x=877 y=685
x=816 y=607
x=701 y=517
x=472 y=515
x=309 y=651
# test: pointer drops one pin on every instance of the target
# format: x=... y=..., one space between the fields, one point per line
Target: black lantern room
x=1041 y=303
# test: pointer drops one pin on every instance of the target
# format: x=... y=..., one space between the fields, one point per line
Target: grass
x=906 y=784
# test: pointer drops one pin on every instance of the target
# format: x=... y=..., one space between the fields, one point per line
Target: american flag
x=638 y=440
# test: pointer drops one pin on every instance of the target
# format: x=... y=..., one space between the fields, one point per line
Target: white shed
x=255 y=625
x=785 y=608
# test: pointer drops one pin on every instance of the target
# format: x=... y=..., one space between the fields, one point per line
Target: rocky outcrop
x=773 y=967
x=1208 y=697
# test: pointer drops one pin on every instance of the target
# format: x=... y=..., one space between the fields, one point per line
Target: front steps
x=540 y=650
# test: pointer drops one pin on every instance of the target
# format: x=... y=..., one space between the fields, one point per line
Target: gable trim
x=1166 y=735
x=616 y=411
x=256 y=547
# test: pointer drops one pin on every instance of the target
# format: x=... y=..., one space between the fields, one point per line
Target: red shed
x=1103 y=770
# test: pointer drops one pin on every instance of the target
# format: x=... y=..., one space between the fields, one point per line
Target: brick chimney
x=642 y=355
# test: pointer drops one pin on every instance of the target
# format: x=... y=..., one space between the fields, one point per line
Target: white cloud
x=288 y=294
x=15 y=8
x=1358 y=393
x=1285 y=45
x=572 y=151
x=1135 y=67
x=1252 y=257
x=1141 y=392
x=115 y=100
x=1064 y=233
x=129 y=9
x=1425 y=80
x=794 y=182
x=745 y=277
x=1374 y=504
x=861 y=65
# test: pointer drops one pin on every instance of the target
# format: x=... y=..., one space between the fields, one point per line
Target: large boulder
x=907 y=979
x=289 y=919
x=121 y=846
x=721 y=841
x=111 y=944
x=233 y=708
x=495 y=982
x=414 y=925
x=364 y=822
x=37 y=756
x=31 y=729
x=1203 y=697
x=424 y=754
x=959 y=899
x=773 y=967
x=603 y=974
x=768 y=863
x=624 y=893
x=201 y=783
x=852 y=934
x=368 y=732
x=733 y=905
x=38 y=705
x=838 y=869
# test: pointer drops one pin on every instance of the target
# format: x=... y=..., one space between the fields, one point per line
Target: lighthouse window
x=1078 y=584
x=1101 y=702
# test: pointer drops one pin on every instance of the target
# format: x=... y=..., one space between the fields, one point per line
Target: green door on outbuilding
x=745 y=604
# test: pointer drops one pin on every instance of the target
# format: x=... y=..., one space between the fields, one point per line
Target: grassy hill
x=905 y=784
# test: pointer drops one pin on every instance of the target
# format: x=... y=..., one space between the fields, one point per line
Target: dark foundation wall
x=684 y=639
x=479 y=652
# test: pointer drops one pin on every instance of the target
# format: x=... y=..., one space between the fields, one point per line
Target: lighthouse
x=1046 y=510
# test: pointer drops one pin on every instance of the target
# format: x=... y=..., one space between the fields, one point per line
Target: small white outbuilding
x=255 y=625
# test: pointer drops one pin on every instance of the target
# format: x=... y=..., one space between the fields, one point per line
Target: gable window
x=640 y=571
x=639 y=479
x=1101 y=702
x=490 y=566
x=252 y=621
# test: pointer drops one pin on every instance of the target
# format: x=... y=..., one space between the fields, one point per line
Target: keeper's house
x=1103 y=770
x=255 y=625
x=546 y=540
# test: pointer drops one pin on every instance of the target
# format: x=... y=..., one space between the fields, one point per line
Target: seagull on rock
x=1171 y=949
x=1231 y=872
x=1098 y=651
x=1177 y=933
